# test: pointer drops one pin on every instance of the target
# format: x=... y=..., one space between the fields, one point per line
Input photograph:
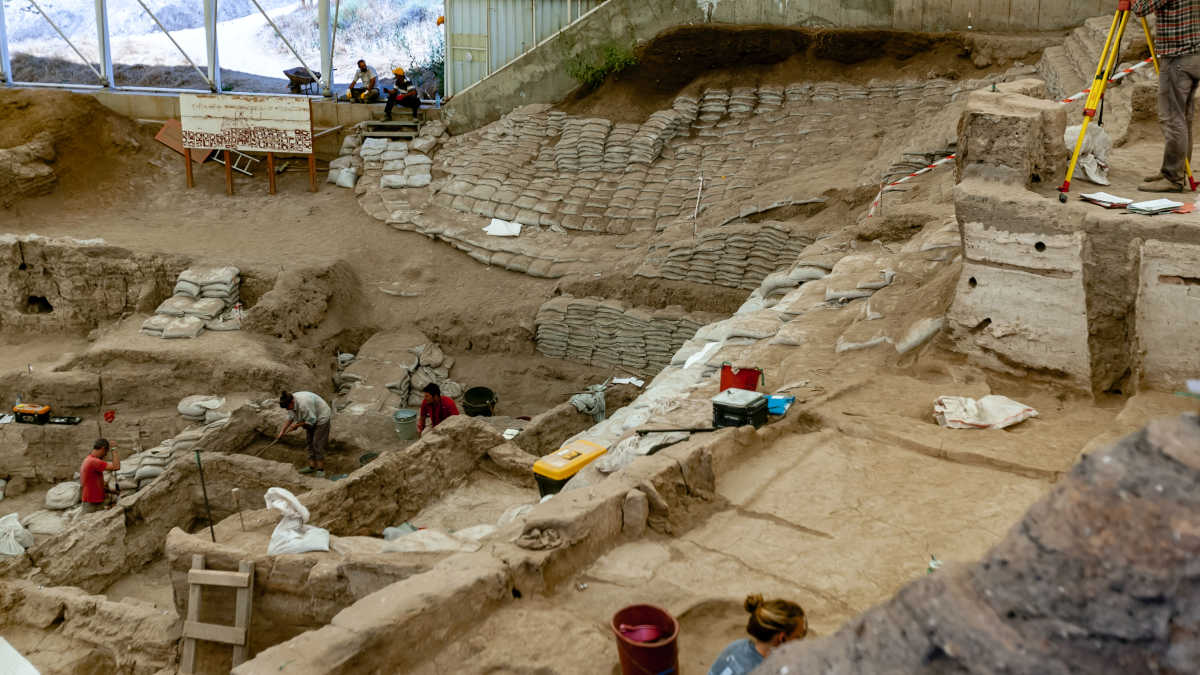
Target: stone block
x=634 y=513
x=1012 y=138
x=1168 y=314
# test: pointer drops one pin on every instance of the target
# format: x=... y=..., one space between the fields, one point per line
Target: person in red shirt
x=91 y=475
x=435 y=406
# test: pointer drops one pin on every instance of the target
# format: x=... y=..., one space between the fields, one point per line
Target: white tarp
x=502 y=228
x=1093 y=156
x=13 y=662
x=292 y=535
x=989 y=412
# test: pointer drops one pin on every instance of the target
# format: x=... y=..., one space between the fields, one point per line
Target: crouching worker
x=91 y=475
x=771 y=624
x=436 y=407
x=306 y=409
x=405 y=94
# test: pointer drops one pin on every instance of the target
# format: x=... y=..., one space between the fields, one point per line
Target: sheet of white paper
x=629 y=380
x=502 y=228
x=1107 y=198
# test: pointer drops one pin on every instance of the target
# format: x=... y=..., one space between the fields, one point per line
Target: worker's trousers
x=1177 y=84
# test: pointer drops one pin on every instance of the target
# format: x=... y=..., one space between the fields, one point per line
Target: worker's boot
x=387 y=117
x=1162 y=185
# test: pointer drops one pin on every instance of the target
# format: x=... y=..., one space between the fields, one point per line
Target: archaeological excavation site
x=643 y=321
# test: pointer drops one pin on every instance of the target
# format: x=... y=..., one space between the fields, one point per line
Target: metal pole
x=102 y=43
x=533 y=35
x=172 y=39
x=323 y=39
x=6 y=76
x=285 y=41
x=67 y=40
x=203 y=487
x=210 y=45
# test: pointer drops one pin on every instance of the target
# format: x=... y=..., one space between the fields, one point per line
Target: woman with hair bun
x=771 y=624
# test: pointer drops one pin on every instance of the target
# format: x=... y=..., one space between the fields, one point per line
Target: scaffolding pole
x=172 y=39
x=210 y=45
x=6 y=76
x=285 y=41
x=103 y=44
x=68 y=40
x=323 y=38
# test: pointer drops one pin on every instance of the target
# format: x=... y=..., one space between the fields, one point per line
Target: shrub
x=591 y=69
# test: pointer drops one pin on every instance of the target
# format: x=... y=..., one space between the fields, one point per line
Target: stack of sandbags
x=742 y=101
x=202 y=408
x=566 y=151
x=713 y=106
x=591 y=144
x=139 y=469
x=654 y=134
x=617 y=147
x=769 y=98
x=606 y=333
x=210 y=283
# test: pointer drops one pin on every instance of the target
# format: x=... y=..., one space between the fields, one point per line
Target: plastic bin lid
x=739 y=398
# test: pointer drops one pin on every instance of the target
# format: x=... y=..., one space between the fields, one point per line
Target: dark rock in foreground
x=1101 y=576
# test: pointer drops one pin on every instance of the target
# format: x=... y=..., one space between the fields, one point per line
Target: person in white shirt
x=306 y=409
x=368 y=80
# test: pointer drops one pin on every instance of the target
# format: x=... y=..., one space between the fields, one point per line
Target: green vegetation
x=591 y=69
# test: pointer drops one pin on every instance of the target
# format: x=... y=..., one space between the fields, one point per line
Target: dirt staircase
x=1070 y=67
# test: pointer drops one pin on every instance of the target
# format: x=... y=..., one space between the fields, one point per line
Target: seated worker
x=435 y=406
x=771 y=624
x=369 y=89
x=404 y=94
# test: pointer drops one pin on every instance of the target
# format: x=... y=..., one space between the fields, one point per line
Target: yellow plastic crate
x=554 y=470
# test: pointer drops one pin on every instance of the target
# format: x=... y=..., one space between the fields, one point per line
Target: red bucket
x=733 y=377
x=660 y=657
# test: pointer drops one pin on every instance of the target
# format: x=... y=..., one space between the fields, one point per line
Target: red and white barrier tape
x=1125 y=72
x=931 y=167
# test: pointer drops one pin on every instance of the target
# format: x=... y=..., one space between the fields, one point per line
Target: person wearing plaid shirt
x=1177 y=39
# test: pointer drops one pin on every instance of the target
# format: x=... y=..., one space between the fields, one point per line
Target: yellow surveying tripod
x=1104 y=72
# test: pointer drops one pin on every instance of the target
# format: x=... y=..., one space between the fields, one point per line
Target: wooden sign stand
x=271 y=186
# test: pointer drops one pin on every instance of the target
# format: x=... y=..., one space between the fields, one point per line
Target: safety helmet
x=398 y=71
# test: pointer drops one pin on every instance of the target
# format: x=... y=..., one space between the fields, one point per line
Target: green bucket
x=405 y=421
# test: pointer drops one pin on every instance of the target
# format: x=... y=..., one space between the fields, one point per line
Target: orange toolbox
x=31 y=413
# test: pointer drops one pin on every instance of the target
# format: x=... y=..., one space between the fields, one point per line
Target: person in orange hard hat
x=404 y=94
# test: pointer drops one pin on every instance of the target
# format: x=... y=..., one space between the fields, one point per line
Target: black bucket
x=479 y=402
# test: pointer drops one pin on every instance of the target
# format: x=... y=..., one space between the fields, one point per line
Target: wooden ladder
x=239 y=633
x=242 y=163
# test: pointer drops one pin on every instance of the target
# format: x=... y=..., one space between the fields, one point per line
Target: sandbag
x=63 y=496
x=428 y=541
x=347 y=177
x=155 y=325
x=184 y=327
x=176 y=305
x=203 y=276
x=14 y=538
x=475 y=533
x=46 y=522
x=989 y=412
x=292 y=535
x=207 y=308
x=185 y=287
x=196 y=406
x=147 y=471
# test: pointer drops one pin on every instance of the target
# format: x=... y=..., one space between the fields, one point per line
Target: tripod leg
x=1108 y=61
